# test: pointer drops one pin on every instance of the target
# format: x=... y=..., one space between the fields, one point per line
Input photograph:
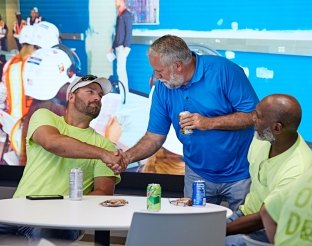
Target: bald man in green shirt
x=278 y=156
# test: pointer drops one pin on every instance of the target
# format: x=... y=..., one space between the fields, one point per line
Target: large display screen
x=88 y=27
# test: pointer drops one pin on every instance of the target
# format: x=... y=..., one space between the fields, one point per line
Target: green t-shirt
x=270 y=176
x=47 y=173
x=294 y=222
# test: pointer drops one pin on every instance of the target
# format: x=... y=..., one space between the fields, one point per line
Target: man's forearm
x=269 y=224
x=233 y=121
x=146 y=147
x=72 y=148
x=245 y=224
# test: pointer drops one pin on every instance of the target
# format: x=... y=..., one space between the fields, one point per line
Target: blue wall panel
x=205 y=14
x=139 y=69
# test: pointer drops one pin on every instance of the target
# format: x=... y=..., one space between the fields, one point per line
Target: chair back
x=154 y=229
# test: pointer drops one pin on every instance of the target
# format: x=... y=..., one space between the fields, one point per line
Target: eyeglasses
x=82 y=79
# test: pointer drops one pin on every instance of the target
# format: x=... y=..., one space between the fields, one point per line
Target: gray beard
x=265 y=136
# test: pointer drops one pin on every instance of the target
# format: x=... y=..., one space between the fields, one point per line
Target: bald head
x=283 y=108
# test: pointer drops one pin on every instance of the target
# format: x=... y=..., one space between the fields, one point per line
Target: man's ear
x=178 y=65
x=70 y=96
x=278 y=127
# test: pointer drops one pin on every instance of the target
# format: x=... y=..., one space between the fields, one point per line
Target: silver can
x=183 y=130
x=75 y=184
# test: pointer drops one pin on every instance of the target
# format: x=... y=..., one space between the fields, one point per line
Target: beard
x=265 y=135
x=91 y=109
x=175 y=81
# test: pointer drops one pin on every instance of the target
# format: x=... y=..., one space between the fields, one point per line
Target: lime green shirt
x=270 y=176
x=46 y=173
x=294 y=222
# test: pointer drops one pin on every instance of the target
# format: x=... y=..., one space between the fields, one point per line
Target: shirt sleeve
x=159 y=120
x=128 y=31
x=273 y=205
x=277 y=197
x=238 y=89
x=39 y=118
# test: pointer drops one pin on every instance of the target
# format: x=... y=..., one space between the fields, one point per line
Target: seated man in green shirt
x=287 y=218
x=56 y=144
x=278 y=155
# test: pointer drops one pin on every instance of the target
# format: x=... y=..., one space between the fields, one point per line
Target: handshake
x=116 y=160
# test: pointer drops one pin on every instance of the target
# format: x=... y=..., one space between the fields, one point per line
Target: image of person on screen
x=32 y=38
x=3 y=34
x=220 y=100
x=122 y=40
x=17 y=29
x=34 y=17
x=56 y=144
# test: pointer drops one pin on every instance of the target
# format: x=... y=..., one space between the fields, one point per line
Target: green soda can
x=153 y=193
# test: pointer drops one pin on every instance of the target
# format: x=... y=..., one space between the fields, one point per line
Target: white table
x=87 y=214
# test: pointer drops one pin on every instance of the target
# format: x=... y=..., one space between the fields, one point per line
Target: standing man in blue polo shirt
x=220 y=100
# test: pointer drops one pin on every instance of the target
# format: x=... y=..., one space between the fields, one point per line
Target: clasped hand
x=118 y=161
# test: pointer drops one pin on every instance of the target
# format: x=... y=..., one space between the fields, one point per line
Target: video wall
x=124 y=117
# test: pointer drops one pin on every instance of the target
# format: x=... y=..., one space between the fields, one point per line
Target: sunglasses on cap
x=88 y=77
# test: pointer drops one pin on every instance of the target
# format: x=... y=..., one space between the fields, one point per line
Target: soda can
x=183 y=130
x=75 y=184
x=199 y=193
x=153 y=193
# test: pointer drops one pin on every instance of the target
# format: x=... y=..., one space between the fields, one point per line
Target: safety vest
x=31 y=21
x=18 y=103
x=18 y=28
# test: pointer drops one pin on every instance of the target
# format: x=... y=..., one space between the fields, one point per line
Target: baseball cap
x=26 y=35
x=46 y=35
x=88 y=79
x=45 y=72
x=35 y=9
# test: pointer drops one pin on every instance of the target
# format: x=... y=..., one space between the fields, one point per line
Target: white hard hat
x=26 y=35
x=46 y=35
x=46 y=71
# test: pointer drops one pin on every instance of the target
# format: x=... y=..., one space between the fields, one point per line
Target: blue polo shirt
x=218 y=87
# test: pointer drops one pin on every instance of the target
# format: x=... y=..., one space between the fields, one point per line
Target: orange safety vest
x=18 y=28
x=18 y=104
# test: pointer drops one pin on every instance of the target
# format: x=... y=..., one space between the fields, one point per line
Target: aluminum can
x=75 y=184
x=153 y=193
x=183 y=130
x=199 y=193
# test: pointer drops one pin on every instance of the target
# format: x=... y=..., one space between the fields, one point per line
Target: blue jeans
x=34 y=233
x=234 y=193
x=239 y=239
